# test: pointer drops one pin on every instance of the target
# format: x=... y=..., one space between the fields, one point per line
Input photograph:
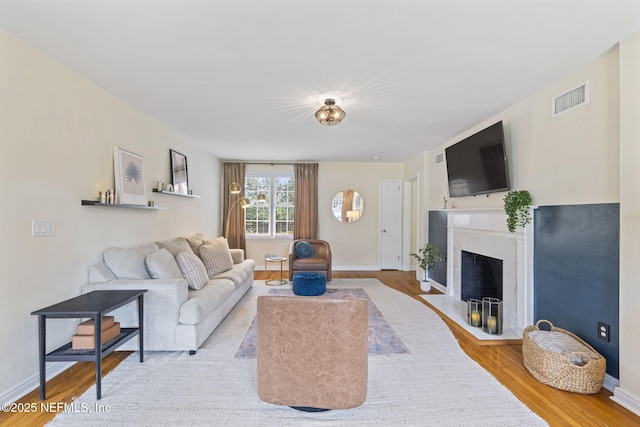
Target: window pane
x=275 y=216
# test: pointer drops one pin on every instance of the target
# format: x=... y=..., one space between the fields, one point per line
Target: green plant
x=516 y=206
x=427 y=258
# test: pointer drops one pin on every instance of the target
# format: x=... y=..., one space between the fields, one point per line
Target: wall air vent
x=570 y=100
x=439 y=158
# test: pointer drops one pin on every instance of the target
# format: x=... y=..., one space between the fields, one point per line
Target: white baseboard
x=356 y=268
x=627 y=400
x=33 y=382
x=610 y=383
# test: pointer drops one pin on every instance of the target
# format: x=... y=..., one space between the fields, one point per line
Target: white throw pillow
x=192 y=269
x=216 y=256
x=162 y=265
x=128 y=263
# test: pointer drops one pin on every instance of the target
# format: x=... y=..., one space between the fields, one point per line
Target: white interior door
x=390 y=224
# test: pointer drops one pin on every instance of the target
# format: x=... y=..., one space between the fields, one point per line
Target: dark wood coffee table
x=91 y=305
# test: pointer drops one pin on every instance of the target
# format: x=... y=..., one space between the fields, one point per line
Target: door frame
x=407 y=208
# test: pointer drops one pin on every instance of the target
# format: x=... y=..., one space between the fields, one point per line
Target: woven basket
x=557 y=370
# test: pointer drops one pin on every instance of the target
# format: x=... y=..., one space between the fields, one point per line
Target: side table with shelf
x=90 y=305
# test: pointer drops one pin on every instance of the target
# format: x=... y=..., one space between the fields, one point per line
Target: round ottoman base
x=309 y=284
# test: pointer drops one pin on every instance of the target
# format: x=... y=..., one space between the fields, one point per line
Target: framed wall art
x=179 y=172
x=129 y=177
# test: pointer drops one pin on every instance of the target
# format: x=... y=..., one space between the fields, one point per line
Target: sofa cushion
x=196 y=241
x=216 y=256
x=175 y=246
x=310 y=264
x=239 y=273
x=128 y=263
x=192 y=269
x=203 y=302
x=303 y=249
x=162 y=265
x=100 y=273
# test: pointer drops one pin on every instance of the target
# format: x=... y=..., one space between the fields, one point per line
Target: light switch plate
x=43 y=227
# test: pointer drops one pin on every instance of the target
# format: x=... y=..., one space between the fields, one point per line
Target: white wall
x=570 y=159
x=629 y=391
x=57 y=134
x=354 y=246
x=589 y=155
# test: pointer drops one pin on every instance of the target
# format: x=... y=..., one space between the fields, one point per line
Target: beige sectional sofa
x=192 y=283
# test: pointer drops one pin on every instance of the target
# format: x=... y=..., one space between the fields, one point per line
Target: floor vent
x=439 y=158
x=570 y=100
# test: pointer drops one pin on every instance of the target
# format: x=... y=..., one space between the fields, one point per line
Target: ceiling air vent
x=568 y=101
x=439 y=158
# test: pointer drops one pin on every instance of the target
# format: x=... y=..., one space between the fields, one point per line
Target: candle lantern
x=492 y=315
x=474 y=312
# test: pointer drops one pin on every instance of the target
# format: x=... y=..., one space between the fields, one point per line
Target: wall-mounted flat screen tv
x=478 y=164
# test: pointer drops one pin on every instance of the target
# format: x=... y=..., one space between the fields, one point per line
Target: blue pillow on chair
x=304 y=250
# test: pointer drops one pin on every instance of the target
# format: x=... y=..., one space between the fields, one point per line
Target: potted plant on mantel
x=427 y=258
x=516 y=206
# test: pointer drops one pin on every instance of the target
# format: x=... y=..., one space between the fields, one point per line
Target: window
x=274 y=218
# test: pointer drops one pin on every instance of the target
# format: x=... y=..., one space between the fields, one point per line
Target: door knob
x=384 y=231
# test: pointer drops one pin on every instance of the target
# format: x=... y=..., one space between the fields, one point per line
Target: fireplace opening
x=481 y=276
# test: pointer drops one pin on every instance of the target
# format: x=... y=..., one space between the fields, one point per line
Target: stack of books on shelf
x=85 y=339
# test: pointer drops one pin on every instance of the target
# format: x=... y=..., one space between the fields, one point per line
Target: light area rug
x=382 y=338
x=436 y=384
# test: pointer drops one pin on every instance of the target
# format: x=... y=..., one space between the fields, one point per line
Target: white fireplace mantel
x=484 y=231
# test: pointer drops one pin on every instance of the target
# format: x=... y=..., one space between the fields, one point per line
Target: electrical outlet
x=603 y=331
x=43 y=227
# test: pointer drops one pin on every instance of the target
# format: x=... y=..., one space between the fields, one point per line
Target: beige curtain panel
x=306 y=207
x=233 y=172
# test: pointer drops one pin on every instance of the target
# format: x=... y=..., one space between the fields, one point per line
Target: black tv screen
x=478 y=164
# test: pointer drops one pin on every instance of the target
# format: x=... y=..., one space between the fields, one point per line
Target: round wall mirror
x=347 y=206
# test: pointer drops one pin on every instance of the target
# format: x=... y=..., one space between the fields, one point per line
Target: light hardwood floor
x=503 y=361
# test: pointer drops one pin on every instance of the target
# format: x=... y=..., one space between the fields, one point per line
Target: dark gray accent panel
x=438 y=238
x=576 y=272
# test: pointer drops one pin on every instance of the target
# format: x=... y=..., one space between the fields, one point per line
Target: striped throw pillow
x=216 y=256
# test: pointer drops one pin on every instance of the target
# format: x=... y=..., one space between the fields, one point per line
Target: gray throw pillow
x=162 y=265
x=128 y=263
x=175 y=246
x=192 y=269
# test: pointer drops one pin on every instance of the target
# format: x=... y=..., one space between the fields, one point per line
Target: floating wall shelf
x=111 y=205
x=173 y=193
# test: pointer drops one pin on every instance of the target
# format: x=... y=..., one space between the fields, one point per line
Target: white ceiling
x=242 y=77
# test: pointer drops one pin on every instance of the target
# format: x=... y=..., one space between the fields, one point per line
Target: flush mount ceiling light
x=330 y=114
